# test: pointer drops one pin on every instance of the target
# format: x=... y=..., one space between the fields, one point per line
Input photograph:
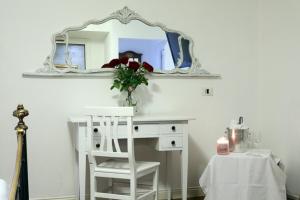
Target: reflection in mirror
x=132 y=56
x=95 y=45
x=73 y=52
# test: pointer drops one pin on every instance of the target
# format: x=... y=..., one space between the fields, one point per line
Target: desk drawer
x=145 y=129
x=171 y=128
x=169 y=143
x=140 y=129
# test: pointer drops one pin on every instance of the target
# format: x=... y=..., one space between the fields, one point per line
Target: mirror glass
x=97 y=44
x=83 y=50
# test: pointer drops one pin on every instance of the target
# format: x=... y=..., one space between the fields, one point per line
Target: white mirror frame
x=124 y=15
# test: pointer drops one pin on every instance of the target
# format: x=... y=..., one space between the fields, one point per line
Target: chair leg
x=93 y=183
x=111 y=185
x=133 y=188
x=155 y=182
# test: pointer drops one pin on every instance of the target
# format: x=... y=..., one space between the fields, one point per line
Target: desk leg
x=76 y=173
x=169 y=175
x=82 y=170
x=184 y=166
x=82 y=163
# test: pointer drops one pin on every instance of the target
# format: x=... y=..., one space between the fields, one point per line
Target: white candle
x=223 y=146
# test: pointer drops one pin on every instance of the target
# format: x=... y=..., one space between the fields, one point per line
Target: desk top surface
x=139 y=118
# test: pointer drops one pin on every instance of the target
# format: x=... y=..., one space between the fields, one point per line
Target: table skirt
x=243 y=176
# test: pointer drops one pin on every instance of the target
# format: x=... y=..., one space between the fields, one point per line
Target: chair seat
x=122 y=167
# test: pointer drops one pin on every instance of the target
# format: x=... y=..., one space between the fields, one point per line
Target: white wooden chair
x=106 y=122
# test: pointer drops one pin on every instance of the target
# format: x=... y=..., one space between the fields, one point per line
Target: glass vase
x=131 y=101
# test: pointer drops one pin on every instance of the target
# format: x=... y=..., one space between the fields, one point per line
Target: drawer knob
x=173 y=142
x=95 y=130
x=136 y=128
x=97 y=145
x=173 y=128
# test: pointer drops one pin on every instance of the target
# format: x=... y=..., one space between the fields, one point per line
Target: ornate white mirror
x=85 y=49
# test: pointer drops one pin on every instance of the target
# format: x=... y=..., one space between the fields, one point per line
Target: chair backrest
x=107 y=121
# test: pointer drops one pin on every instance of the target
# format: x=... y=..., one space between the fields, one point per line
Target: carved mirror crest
x=84 y=49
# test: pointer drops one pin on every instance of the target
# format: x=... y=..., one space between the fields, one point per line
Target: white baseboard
x=163 y=194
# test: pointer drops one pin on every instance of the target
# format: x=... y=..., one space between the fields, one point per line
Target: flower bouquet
x=128 y=76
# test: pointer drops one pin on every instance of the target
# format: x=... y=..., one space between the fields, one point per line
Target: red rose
x=124 y=60
x=106 y=66
x=114 y=62
x=134 y=65
x=148 y=67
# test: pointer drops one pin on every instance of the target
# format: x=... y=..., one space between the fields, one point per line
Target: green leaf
x=125 y=77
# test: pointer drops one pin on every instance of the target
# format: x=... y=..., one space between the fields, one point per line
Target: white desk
x=171 y=133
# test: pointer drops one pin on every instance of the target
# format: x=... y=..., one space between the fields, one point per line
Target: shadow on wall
x=142 y=96
x=198 y=160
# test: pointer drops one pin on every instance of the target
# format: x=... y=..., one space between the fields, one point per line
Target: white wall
x=225 y=36
x=279 y=97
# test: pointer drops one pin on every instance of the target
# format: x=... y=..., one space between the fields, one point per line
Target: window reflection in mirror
x=76 y=54
x=96 y=45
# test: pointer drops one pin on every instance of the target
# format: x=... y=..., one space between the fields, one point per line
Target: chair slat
x=108 y=134
x=110 y=154
x=115 y=133
x=146 y=195
x=112 y=175
x=112 y=196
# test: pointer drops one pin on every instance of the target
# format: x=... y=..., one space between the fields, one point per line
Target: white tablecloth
x=243 y=176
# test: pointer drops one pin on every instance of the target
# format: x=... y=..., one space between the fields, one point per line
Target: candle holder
x=222 y=146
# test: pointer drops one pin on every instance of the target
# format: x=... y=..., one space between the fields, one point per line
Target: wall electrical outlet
x=207 y=92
